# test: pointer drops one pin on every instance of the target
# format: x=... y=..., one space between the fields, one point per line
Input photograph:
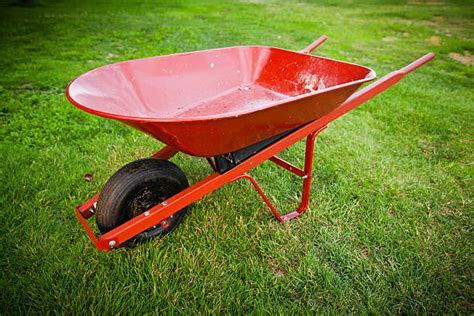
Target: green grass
x=389 y=229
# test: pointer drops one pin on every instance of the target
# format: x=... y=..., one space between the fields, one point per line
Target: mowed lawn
x=389 y=229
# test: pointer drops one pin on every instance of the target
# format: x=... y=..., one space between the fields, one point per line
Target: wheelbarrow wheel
x=135 y=188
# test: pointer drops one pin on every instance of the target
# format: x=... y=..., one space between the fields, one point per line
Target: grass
x=389 y=228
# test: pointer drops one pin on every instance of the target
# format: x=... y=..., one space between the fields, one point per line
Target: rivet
x=146 y=213
x=165 y=203
x=112 y=243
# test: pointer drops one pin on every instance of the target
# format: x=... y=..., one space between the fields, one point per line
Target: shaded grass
x=389 y=228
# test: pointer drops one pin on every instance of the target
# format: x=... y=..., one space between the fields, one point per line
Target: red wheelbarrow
x=236 y=106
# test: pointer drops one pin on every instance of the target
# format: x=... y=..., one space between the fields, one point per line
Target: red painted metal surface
x=163 y=210
x=291 y=168
x=314 y=45
x=306 y=174
x=212 y=102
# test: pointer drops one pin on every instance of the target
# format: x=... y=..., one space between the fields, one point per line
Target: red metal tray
x=212 y=102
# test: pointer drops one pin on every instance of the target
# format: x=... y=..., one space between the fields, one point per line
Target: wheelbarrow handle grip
x=314 y=44
x=417 y=63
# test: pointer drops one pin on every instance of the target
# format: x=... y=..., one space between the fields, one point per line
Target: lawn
x=389 y=229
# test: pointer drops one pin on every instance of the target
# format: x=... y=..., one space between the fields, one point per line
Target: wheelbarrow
x=237 y=107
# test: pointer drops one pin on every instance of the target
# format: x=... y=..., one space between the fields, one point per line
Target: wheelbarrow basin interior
x=212 y=102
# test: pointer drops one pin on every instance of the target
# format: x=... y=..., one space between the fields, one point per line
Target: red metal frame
x=306 y=174
x=214 y=181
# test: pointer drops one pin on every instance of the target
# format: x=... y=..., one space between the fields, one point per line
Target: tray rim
x=369 y=77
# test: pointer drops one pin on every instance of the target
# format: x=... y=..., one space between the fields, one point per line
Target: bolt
x=171 y=216
x=92 y=209
x=112 y=243
x=146 y=213
x=305 y=176
x=164 y=203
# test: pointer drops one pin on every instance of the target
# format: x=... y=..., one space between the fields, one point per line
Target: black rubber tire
x=135 y=188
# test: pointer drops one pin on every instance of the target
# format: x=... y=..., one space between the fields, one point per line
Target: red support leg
x=306 y=174
x=308 y=169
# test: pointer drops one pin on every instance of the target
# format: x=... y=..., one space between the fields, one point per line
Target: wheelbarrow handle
x=314 y=45
x=378 y=86
x=417 y=63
